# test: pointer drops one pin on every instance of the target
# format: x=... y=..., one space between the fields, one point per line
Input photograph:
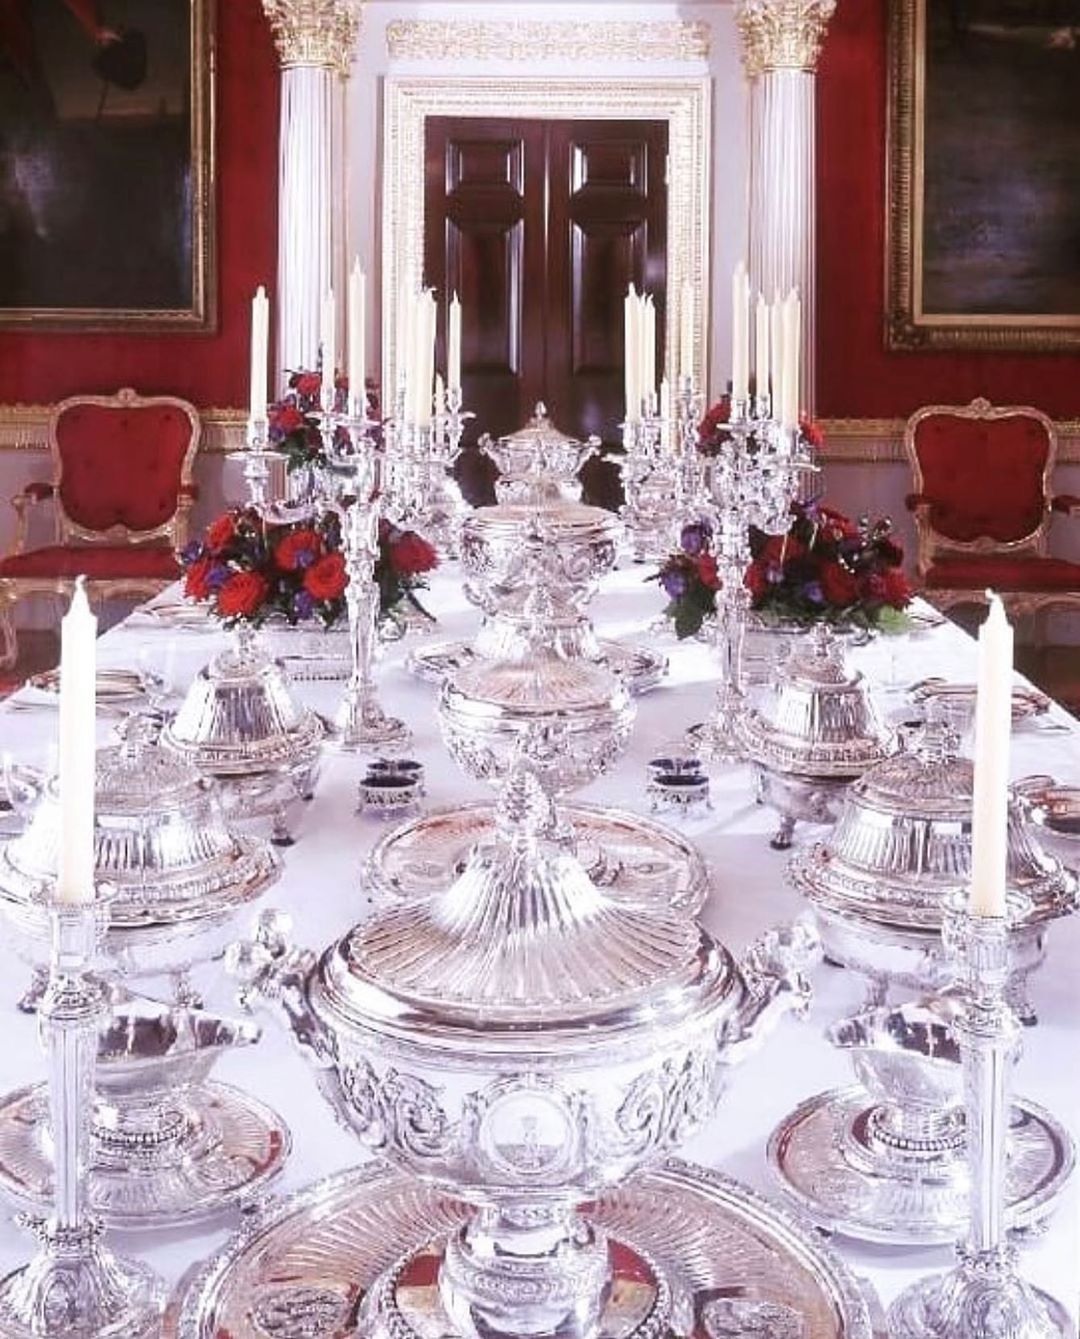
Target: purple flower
x=813 y=592
x=695 y=538
x=191 y=552
x=217 y=576
x=674 y=583
x=303 y=604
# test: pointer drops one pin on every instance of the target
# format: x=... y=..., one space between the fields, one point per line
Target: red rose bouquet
x=712 y=430
x=690 y=580
x=293 y=421
x=250 y=570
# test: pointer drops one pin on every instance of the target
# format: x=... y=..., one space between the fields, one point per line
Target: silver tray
x=624 y=852
x=958 y=699
x=823 y=1161
x=639 y=667
x=736 y=1265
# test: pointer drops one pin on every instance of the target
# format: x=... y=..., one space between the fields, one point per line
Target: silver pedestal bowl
x=241 y=725
x=523 y=1045
x=817 y=732
x=900 y=849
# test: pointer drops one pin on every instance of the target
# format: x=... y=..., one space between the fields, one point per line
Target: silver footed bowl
x=570 y=719
x=524 y=1048
x=241 y=718
x=821 y=721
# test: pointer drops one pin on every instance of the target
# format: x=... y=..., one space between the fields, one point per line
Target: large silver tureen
x=538 y=463
x=900 y=849
x=524 y=1049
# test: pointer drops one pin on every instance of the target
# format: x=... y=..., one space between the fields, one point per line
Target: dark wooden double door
x=539 y=226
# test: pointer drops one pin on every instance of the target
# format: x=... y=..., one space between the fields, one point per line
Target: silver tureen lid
x=240 y=717
x=539 y=448
x=541 y=684
x=160 y=839
x=821 y=721
x=562 y=521
x=523 y=955
x=902 y=844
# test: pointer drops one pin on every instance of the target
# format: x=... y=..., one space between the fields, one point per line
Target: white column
x=781 y=43
x=315 y=41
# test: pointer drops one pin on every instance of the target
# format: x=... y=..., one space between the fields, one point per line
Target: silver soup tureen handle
x=774 y=969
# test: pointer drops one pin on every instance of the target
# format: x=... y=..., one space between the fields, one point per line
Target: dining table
x=324 y=889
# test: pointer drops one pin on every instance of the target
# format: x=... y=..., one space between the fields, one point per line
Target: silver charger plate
x=823 y=1162
x=735 y=1264
x=111 y=685
x=235 y=1149
x=639 y=667
x=624 y=852
x=1026 y=702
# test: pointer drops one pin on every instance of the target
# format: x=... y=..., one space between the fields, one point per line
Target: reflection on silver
x=310 y=1264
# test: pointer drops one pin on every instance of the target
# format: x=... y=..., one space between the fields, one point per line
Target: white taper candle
x=993 y=737
x=78 y=672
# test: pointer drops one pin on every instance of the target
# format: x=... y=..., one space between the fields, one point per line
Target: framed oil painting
x=106 y=164
x=983 y=227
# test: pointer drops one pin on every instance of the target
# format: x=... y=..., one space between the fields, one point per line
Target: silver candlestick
x=74 y=1286
x=984 y=1296
x=257 y=460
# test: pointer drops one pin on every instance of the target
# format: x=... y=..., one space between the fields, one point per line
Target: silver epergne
x=751 y=481
x=984 y=1296
x=75 y=1286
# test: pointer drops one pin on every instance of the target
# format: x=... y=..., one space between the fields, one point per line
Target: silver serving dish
x=900 y=849
x=821 y=721
x=523 y=1042
x=538 y=463
x=166 y=1144
x=887 y=1161
x=241 y=724
x=570 y=719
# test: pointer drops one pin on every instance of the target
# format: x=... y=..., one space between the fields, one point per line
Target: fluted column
x=781 y=43
x=315 y=41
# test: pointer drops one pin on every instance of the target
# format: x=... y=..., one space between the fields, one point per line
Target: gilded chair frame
x=174 y=532
x=931 y=545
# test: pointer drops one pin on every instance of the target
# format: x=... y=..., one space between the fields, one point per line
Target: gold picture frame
x=107 y=169
x=971 y=254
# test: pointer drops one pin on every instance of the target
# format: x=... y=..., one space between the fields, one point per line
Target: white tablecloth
x=321 y=888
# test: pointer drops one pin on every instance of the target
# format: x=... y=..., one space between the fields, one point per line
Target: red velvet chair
x=983 y=505
x=122 y=489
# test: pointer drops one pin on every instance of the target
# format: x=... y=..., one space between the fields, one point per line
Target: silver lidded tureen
x=817 y=732
x=900 y=848
x=241 y=724
x=538 y=463
x=523 y=1048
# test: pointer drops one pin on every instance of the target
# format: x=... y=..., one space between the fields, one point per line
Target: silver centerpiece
x=524 y=1043
x=241 y=724
x=901 y=846
x=538 y=463
x=817 y=732
x=887 y=1160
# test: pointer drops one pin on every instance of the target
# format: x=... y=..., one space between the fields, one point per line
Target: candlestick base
x=361 y=726
x=720 y=738
x=982 y=1298
x=76 y=1288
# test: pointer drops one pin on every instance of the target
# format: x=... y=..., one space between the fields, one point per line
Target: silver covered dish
x=538 y=462
x=821 y=720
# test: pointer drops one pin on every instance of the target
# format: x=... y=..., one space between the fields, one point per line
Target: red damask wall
x=857 y=378
x=207 y=369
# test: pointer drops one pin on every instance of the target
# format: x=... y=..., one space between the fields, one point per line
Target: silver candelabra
x=423 y=493
x=984 y=1296
x=74 y=1286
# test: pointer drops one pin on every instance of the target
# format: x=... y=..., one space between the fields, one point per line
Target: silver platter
x=233 y=1149
x=624 y=852
x=826 y=1161
x=734 y=1264
x=639 y=667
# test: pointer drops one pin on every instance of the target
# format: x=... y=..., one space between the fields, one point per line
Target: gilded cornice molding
x=782 y=34
x=530 y=40
x=315 y=32
x=25 y=427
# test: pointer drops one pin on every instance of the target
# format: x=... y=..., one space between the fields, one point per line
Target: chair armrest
x=190 y=492
x=1067 y=503
x=915 y=500
x=35 y=491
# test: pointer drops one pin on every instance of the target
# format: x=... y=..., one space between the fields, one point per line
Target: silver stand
x=984 y=1296
x=74 y=1286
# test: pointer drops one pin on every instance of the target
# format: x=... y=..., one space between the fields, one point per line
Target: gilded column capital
x=782 y=34
x=314 y=32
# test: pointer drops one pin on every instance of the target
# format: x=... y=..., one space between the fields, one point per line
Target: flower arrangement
x=293 y=421
x=712 y=433
x=250 y=570
x=825 y=568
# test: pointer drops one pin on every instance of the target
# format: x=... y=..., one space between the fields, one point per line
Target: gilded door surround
x=683 y=102
x=535 y=39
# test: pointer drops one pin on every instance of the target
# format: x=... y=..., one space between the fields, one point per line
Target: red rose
x=838 y=585
x=306 y=384
x=842 y=527
x=411 y=554
x=195 y=581
x=242 y=594
x=299 y=548
x=220 y=532
x=895 y=588
x=756 y=581
x=706 y=570
x=286 y=418
x=326 y=579
x=781 y=549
